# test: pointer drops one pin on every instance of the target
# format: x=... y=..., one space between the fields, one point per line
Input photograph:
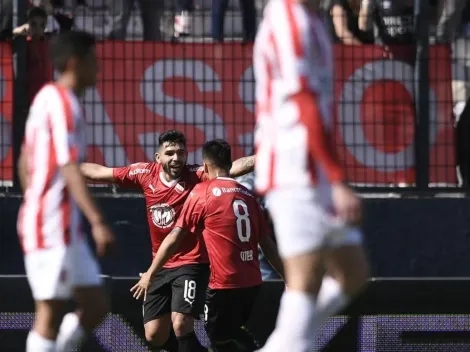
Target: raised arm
x=96 y=172
x=243 y=166
x=365 y=15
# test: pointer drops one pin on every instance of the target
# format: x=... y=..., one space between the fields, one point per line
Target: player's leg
x=90 y=296
x=226 y=313
x=51 y=288
x=189 y=291
x=42 y=337
x=218 y=320
x=300 y=232
x=347 y=269
x=157 y=314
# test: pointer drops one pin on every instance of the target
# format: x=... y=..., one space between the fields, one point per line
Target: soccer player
x=315 y=213
x=59 y=263
x=177 y=293
x=232 y=224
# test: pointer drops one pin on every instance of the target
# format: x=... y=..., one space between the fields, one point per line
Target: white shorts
x=54 y=273
x=302 y=225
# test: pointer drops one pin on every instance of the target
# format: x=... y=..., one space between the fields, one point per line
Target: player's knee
x=156 y=337
x=182 y=324
x=156 y=333
x=354 y=279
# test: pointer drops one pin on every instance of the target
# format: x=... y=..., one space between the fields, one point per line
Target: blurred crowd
x=353 y=22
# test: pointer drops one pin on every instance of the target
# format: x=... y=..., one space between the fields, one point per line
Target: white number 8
x=244 y=236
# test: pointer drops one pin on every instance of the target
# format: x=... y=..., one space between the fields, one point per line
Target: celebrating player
x=313 y=210
x=59 y=263
x=177 y=293
x=232 y=224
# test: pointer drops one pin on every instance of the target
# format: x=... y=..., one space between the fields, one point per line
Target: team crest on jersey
x=216 y=191
x=163 y=215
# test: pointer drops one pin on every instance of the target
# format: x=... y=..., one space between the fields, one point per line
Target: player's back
x=54 y=137
x=233 y=225
x=293 y=61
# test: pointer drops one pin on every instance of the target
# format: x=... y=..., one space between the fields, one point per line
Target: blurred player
x=59 y=263
x=313 y=210
x=166 y=184
x=232 y=224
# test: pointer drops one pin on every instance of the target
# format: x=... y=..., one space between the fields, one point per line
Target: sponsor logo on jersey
x=163 y=215
x=139 y=171
x=216 y=192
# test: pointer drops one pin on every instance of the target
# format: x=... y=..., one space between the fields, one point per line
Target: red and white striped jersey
x=55 y=136
x=293 y=62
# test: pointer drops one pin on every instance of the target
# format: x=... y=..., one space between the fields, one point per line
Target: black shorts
x=181 y=290
x=228 y=310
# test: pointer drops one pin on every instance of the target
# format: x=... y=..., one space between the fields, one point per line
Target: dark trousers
x=6 y=19
x=121 y=10
x=219 y=7
x=463 y=145
x=184 y=5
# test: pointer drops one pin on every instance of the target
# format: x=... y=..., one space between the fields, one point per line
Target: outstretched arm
x=168 y=247
x=96 y=172
x=243 y=166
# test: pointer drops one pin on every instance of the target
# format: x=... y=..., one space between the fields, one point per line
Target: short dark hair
x=66 y=45
x=218 y=152
x=37 y=11
x=173 y=137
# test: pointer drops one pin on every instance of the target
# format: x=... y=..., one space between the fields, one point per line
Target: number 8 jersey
x=231 y=222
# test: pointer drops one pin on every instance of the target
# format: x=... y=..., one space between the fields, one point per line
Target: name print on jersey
x=163 y=215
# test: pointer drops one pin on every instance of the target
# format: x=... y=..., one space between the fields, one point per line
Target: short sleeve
x=62 y=127
x=198 y=171
x=132 y=176
x=193 y=211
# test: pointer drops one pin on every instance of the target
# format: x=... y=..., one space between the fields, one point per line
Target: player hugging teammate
x=176 y=294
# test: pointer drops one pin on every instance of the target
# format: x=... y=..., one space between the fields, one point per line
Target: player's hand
x=21 y=30
x=142 y=286
x=347 y=204
x=104 y=238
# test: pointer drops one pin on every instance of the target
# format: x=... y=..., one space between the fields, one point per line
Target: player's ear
x=206 y=169
x=157 y=157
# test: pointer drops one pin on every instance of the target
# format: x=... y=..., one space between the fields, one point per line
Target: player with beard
x=232 y=223
x=176 y=295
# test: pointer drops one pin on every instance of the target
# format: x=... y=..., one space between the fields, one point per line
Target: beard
x=173 y=172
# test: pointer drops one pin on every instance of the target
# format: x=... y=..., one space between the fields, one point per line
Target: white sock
x=331 y=299
x=293 y=326
x=71 y=333
x=37 y=343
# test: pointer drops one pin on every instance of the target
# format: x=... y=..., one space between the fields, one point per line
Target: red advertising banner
x=375 y=114
x=6 y=114
x=207 y=91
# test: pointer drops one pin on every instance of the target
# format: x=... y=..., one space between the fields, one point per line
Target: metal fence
x=395 y=126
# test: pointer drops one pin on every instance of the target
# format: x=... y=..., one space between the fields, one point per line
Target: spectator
x=267 y=271
x=248 y=9
x=182 y=18
x=6 y=19
x=449 y=16
x=343 y=21
x=150 y=11
x=393 y=20
x=39 y=68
